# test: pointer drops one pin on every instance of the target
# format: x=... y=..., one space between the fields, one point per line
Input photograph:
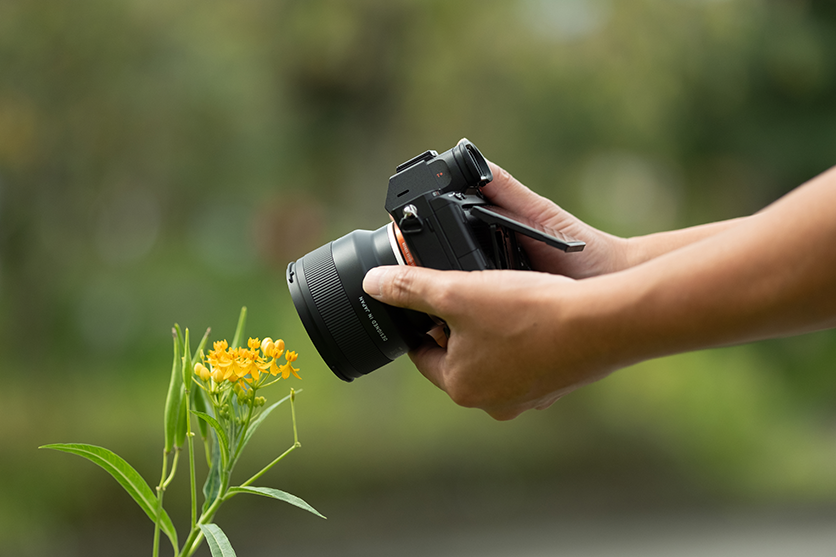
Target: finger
x=415 y=288
x=429 y=358
x=509 y=193
x=439 y=336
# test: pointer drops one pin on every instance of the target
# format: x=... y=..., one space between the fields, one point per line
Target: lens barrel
x=354 y=333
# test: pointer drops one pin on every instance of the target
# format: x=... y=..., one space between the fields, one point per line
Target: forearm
x=769 y=275
x=640 y=249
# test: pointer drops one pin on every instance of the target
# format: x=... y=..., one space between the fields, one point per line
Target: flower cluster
x=250 y=366
x=227 y=412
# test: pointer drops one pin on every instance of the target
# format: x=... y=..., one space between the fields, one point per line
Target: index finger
x=509 y=193
x=430 y=358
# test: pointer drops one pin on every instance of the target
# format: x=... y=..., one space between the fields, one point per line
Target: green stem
x=196 y=535
x=190 y=437
x=243 y=434
x=155 y=552
x=173 y=467
x=293 y=416
x=261 y=472
x=296 y=444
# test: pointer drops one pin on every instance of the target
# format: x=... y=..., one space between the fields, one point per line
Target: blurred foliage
x=162 y=161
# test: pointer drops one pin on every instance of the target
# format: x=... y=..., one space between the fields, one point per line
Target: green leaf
x=257 y=422
x=172 y=401
x=239 y=330
x=127 y=477
x=218 y=543
x=219 y=430
x=199 y=404
x=199 y=349
x=212 y=485
x=277 y=494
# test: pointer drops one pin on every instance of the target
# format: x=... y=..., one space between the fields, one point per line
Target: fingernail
x=373 y=281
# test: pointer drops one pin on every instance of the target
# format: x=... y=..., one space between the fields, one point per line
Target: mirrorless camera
x=441 y=220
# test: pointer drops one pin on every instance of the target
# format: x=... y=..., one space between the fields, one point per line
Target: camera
x=439 y=219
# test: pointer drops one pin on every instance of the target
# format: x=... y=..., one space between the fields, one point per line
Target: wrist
x=604 y=329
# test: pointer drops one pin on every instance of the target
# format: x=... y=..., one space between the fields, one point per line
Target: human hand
x=604 y=253
x=514 y=343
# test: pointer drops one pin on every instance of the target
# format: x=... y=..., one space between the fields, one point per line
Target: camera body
x=430 y=198
x=440 y=220
x=446 y=223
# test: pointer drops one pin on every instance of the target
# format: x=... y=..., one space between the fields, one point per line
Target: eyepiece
x=473 y=164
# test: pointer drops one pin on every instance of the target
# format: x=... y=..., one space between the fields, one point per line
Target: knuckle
x=465 y=394
x=464 y=398
x=402 y=285
x=444 y=296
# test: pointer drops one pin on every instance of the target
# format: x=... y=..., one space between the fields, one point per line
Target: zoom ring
x=333 y=305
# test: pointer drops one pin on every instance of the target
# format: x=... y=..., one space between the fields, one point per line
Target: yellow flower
x=220 y=359
x=253 y=343
x=244 y=362
x=287 y=369
x=220 y=345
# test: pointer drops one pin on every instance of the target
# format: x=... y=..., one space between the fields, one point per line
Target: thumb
x=406 y=287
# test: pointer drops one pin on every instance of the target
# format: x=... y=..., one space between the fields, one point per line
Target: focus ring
x=335 y=309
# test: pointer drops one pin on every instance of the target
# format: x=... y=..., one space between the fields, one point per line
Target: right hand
x=604 y=253
x=515 y=341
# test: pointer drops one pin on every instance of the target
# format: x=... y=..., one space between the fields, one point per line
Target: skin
x=521 y=340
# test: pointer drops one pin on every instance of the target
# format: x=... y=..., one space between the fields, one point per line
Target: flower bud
x=201 y=371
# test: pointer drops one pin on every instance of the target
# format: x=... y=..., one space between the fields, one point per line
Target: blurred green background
x=161 y=162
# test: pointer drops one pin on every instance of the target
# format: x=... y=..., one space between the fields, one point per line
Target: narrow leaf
x=277 y=494
x=218 y=542
x=199 y=349
x=212 y=485
x=127 y=477
x=219 y=430
x=199 y=403
x=239 y=329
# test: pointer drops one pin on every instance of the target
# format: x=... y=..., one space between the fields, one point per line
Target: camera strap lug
x=410 y=222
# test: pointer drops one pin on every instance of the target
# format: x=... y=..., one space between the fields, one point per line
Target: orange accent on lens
x=407 y=255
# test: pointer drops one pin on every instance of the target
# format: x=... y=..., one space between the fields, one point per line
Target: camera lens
x=354 y=333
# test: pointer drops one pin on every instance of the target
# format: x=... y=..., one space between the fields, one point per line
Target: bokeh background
x=161 y=162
